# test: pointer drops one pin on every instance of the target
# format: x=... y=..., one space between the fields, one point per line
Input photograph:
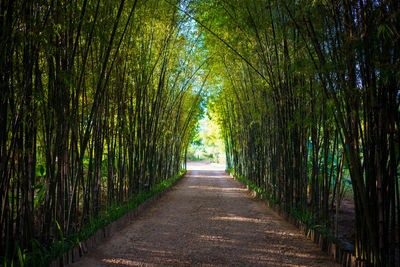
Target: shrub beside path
x=207 y=219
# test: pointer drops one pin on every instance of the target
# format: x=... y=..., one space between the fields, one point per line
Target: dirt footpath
x=207 y=220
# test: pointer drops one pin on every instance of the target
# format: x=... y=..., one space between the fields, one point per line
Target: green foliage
x=207 y=144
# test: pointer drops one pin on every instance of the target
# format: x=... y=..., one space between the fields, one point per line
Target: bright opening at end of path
x=206 y=150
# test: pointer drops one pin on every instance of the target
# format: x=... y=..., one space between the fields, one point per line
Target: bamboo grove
x=97 y=104
x=307 y=95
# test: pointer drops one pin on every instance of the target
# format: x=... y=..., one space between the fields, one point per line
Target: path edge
x=83 y=247
x=338 y=250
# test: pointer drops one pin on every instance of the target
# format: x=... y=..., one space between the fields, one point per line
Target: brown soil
x=207 y=220
x=346 y=221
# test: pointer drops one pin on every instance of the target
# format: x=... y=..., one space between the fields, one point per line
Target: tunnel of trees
x=100 y=99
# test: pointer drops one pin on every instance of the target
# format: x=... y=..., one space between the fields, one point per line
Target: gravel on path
x=207 y=219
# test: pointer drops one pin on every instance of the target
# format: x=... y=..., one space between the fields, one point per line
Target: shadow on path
x=209 y=220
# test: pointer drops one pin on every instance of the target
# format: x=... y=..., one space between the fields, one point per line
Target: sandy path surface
x=207 y=220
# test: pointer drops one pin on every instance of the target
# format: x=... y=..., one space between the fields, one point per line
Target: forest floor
x=207 y=219
x=346 y=220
